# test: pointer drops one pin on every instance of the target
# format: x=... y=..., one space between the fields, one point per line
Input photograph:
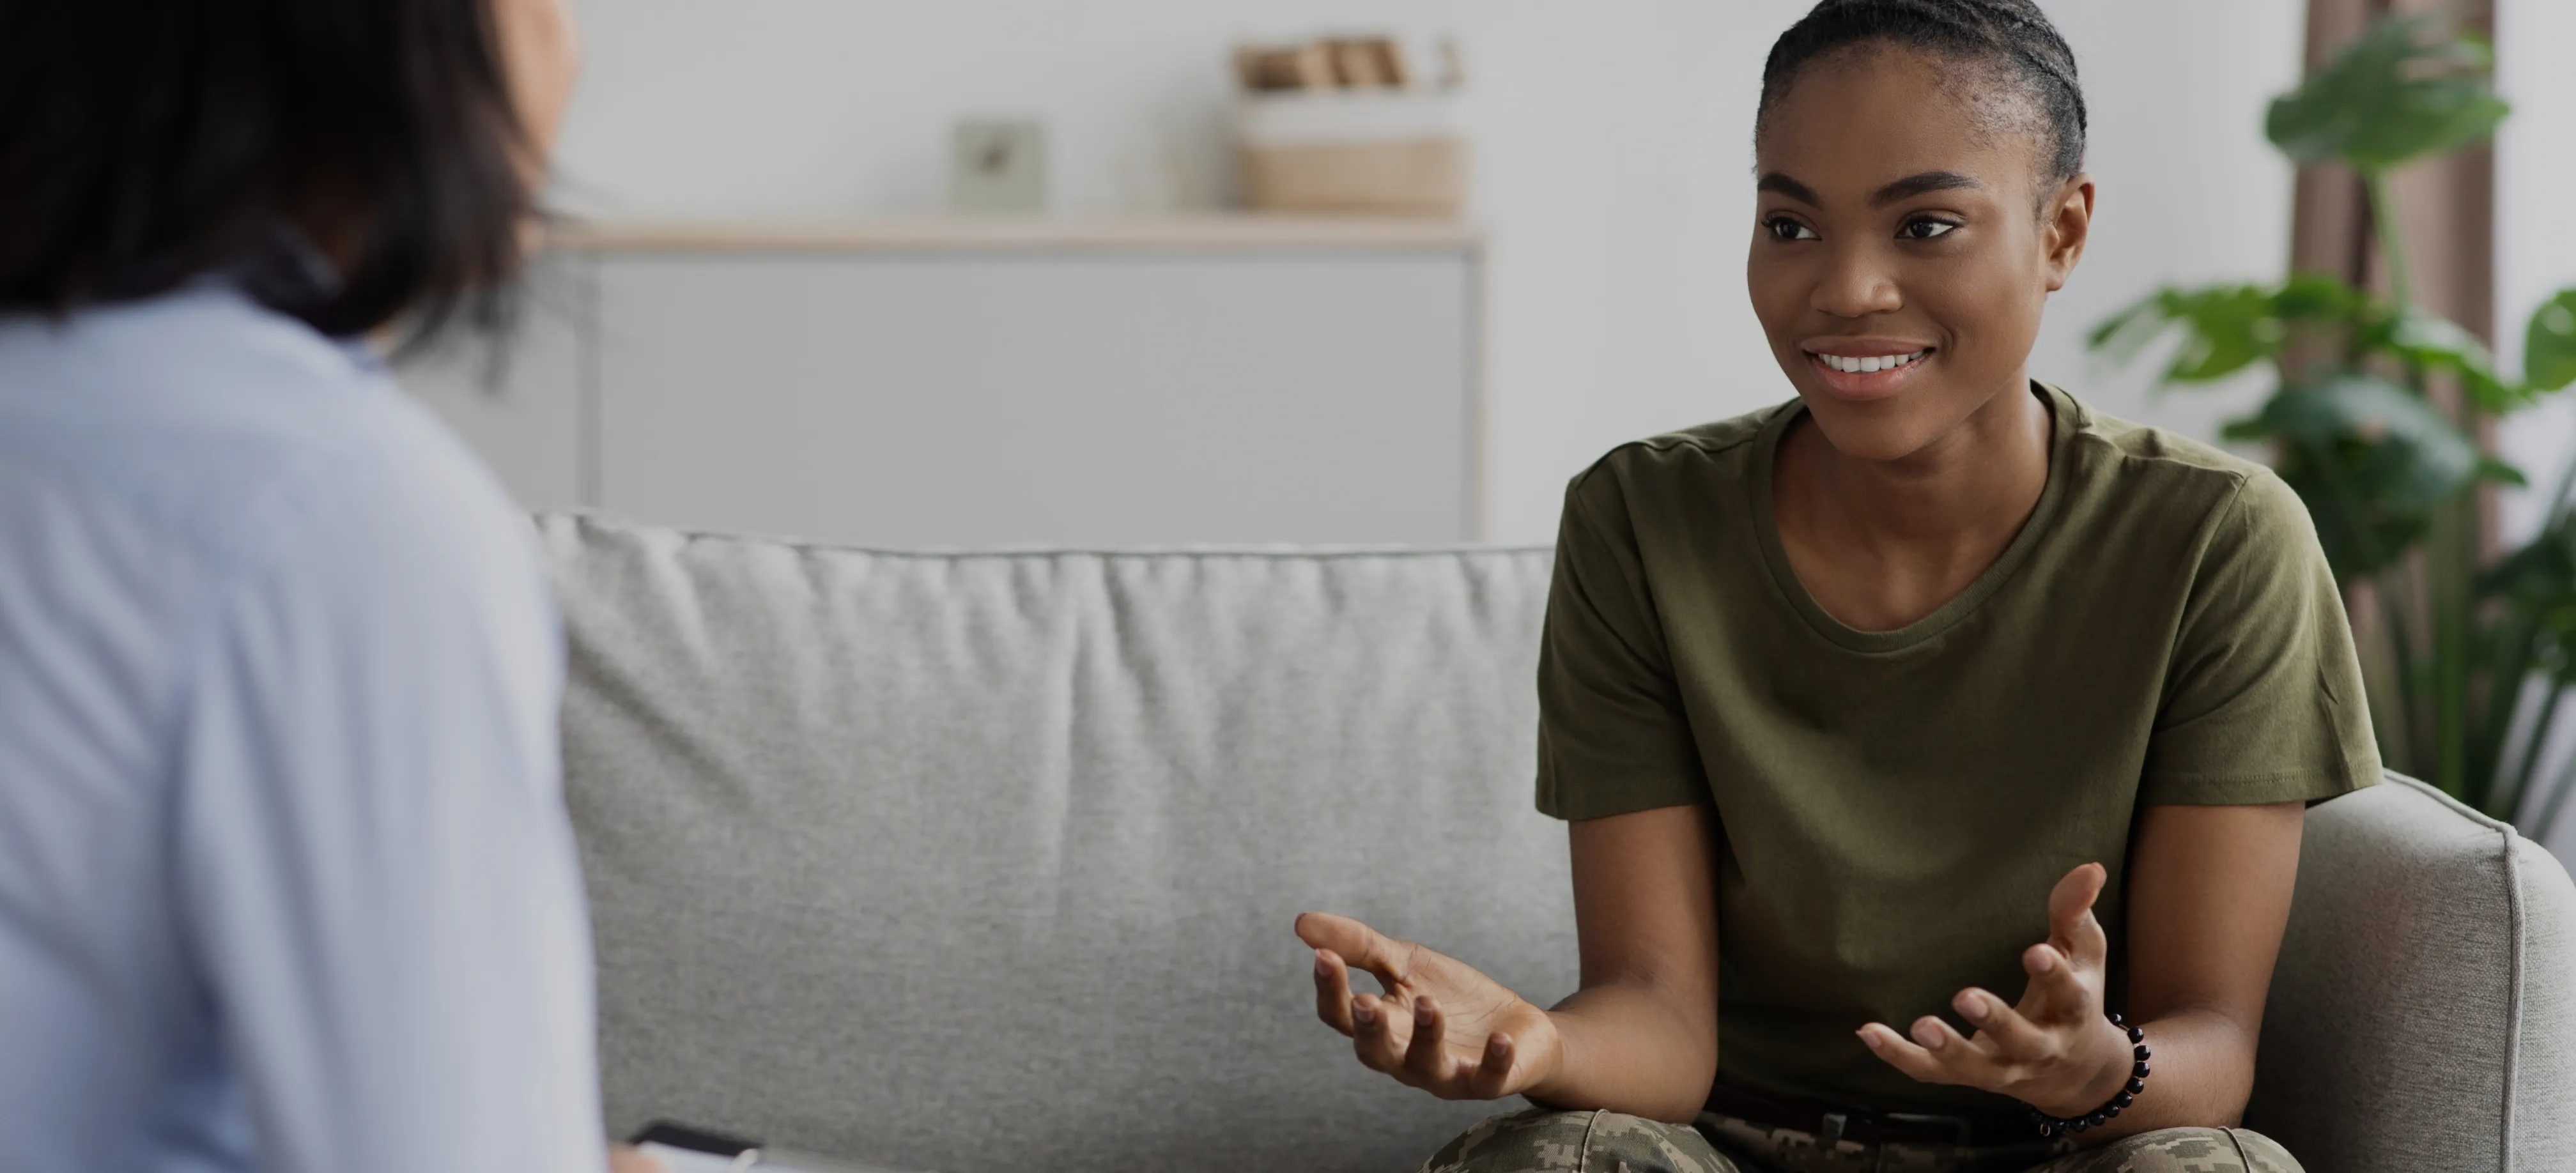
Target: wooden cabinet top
x=1204 y=233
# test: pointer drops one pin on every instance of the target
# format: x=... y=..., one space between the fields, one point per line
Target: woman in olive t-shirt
x=1858 y=706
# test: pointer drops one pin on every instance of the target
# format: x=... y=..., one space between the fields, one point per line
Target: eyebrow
x=1903 y=189
x=1774 y=181
x=1923 y=184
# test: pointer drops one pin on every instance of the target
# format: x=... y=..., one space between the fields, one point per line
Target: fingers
x=1402 y=1033
x=1963 y=1061
x=1905 y=1054
x=2058 y=991
x=1333 y=991
x=1423 y=1057
x=1380 y=1031
x=2002 y=1030
x=1358 y=944
x=2072 y=927
x=1413 y=1047
x=1492 y=1078
x=1934 y=1054
x=1324 y=930
x=1433 y=1065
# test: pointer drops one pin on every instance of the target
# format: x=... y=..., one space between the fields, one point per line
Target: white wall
x=2536 y=256
x=2535 y=219
x=1615 y=140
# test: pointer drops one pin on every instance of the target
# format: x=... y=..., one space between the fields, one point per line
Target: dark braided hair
x=2010 y=37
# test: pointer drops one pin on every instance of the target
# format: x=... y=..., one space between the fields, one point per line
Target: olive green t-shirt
x=1896 y=805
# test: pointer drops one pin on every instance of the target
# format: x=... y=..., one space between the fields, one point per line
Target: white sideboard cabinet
x=995 y=383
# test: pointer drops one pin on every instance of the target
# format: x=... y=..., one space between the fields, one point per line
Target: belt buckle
x=1961 y=1129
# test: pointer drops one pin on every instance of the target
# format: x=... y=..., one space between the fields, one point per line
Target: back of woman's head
x=147 y=142
x=2009 y=45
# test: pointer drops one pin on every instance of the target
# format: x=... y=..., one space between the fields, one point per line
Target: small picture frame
x=998 y=166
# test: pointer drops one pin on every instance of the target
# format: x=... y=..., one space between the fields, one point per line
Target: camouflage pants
x=1540 y=1141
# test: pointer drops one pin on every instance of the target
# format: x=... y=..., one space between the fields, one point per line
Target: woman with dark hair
x=1931 y=692
x=286 y=882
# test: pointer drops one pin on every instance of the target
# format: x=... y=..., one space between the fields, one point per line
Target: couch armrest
x=2424 y=1012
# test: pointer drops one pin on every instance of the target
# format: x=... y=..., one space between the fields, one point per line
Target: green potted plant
x=2376 y=420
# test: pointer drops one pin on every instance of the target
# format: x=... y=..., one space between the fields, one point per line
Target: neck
x=1952 y=495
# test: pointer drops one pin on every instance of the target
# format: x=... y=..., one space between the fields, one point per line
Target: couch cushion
x=987 y=862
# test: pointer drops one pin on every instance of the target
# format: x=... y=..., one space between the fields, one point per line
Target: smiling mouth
x=1871 y=365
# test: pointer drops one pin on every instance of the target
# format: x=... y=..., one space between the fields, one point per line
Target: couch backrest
x=981 y=863
x=986 y=862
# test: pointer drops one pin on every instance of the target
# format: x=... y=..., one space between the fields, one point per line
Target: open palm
x=1441 y=1025
x=2054 y=1049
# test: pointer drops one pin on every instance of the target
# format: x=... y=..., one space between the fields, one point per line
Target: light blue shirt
x=286 y=882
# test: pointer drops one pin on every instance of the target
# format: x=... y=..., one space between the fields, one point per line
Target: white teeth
x=1866 y=366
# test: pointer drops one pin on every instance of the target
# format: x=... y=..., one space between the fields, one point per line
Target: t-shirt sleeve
x=2263 y=701
x=1612 y=735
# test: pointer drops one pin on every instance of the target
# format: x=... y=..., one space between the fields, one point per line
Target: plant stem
x=2508 y=650
x=2527 y=635
x=2395 y=605
x=2451 y=562
x=2450 y=559
x=2406 y=730
x=2392 y=246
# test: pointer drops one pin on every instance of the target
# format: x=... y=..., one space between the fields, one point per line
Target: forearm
x=2203 y=1071
x=1633 y=1048
x=2209 y=896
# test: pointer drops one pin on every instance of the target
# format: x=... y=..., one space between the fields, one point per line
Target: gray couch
x=986 y=862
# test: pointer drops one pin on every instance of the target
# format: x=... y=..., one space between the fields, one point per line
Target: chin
x=1883 y=431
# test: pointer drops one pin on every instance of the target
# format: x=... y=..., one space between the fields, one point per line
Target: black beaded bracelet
x=2052 y=1125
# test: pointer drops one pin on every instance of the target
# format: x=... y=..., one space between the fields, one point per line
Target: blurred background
x=1177 y=271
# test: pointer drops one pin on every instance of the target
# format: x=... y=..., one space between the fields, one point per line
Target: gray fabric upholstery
x=988 y=863
x=982 y=862
x=2424 y=1012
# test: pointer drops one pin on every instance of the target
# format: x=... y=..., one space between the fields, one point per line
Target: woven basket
x=1384 y=150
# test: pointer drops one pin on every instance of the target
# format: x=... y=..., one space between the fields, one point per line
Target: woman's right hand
x=1441 y=1025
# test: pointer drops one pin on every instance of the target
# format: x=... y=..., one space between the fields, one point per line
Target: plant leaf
x=2226 y=327
x=2363 y=534
x=2372 y=460
x=2537 y=585
x=2316 y=297
x=2492 y=469
x=2434 y=343
x=2245 y=431
x=2549 y=349
x=2125 y=333
x=2408 y=88
x=2349 y=404
x=2232 y=327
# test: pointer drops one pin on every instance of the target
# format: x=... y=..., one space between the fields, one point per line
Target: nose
x=1855 y=283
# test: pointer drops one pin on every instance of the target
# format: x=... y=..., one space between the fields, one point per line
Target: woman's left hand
x=2053 y=1050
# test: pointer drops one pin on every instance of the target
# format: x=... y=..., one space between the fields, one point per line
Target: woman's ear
x=2067 y=221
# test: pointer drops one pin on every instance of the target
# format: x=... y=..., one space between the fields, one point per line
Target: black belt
x=1831 y=1123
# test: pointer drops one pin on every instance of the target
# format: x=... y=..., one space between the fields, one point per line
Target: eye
x=1926 y=228
x=1787 y=229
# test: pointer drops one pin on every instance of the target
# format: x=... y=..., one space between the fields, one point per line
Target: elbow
x=1679 y=1092
x=1638 y=1047
x=1690 y=1066
x=2221 y=1072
